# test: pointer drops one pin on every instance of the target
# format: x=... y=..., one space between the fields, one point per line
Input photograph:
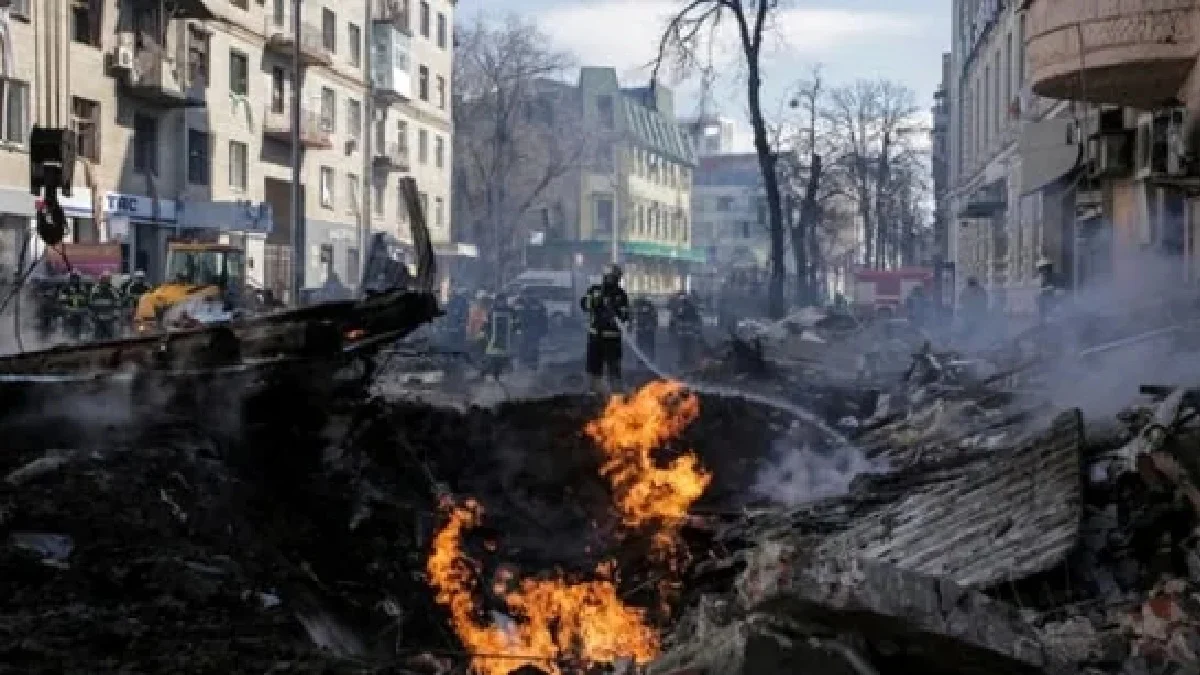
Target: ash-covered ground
x=295 y=541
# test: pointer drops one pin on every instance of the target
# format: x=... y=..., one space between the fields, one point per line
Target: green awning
x=653 y=250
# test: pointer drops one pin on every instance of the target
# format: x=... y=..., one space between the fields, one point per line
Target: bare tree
x=872 y=122
x=512 y=140
x=687 y=42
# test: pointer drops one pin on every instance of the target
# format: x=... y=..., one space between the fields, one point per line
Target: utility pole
x=368 y=133
x=299 y=258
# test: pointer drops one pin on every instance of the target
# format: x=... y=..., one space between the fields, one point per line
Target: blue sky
x=901 y=40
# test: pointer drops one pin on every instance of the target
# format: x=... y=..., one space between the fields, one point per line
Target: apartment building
x=183 y=111
x=632 y=203
x=1129 y=71
x=1006 y=182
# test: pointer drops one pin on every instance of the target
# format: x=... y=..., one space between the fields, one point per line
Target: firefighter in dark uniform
x=131 y=294
x=645 y=325
x=457 y=309
x=47 y=309
x=607 y=307
x=686 y=328
x=105 y=304
x=73 y=305
x=498 y=333
x=533 y=322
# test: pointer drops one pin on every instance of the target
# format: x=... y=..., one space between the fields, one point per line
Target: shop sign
x=137 y=207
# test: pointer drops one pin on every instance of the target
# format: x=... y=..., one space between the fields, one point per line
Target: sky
x=901 y=40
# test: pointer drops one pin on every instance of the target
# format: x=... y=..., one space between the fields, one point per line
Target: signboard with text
x=87 y=259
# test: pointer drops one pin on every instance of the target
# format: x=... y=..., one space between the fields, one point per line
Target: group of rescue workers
x=101 y=310
x=504 y=329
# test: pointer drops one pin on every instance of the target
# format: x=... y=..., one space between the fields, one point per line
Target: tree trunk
x=801 y=234
x=766 y=164
x=882 y=221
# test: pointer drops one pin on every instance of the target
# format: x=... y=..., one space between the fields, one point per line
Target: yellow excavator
x=202 y=283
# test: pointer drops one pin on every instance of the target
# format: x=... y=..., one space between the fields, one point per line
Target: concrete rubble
x=986 y=531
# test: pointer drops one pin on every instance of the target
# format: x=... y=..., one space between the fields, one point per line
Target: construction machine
x=203 y=283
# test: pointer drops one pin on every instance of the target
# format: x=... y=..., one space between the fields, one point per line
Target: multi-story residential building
x=1129 y=69
x=632 y=204
x=183 y=115
x=1005 y=183
x=729 y=209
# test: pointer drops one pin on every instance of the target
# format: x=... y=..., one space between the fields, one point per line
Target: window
x=326 y=187
x=328 y=110
x=423 y=146
x=424 y=199
x=145 y=145
x=441 y=36
x=239 y=73
x=354 y=118
x=604 y=104
x=423 y=83
x=439 y=151
x=401 y=204
x=239 y=165
x=441 y=86
x=406 y=16
x=352 y=263
x=240 y=4
x=354 y=37
x=329 y=30
x=20 y=8
x=604 y=215
x=424 y=19
x=85 y=23
x=198 y=49
x=378 y=203
x=277 y=89
x=402 y=135
x=352 y=192
x=16 y=111
x=85 y=115
x=724 y=203
x=438 y=209
x=279 y=13
x=199 y=159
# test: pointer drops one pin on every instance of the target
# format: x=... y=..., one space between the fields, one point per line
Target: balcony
x=1135 y=54
x=154 y=78
x=391 y=157
x=390 y=49
x=314 y=131
x=282 y=40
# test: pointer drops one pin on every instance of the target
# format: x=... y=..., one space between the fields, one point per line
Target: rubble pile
x=154 y=547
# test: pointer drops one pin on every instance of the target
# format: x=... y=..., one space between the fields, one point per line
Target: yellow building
x=632 y=203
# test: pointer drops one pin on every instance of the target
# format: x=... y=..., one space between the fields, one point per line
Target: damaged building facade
x=1135 y=207
x=183 y=115
x=1009 y=196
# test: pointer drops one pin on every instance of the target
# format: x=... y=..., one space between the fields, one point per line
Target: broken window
x=198 y=50
x=85 y=116
x=199 y=162
x=239 y=73
x=145 y=145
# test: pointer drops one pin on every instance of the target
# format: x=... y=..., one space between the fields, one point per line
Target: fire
x=553 y=618
x=629 y=431
x=557 y=621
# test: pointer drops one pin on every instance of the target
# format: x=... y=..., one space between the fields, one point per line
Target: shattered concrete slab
x=1003 y=515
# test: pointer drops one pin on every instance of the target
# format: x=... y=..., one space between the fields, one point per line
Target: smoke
x=798 y=474
x=1120 y=331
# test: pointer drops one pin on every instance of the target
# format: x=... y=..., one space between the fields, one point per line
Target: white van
x=558 y=291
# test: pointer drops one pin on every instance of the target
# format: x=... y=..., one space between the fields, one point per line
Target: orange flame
x=553 y=617
x=555 y=620
x=629 y=431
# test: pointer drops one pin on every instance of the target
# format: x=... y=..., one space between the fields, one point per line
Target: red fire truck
x=886 y=290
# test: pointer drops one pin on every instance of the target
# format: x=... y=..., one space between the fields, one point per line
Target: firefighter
x=131 y=294
x=458 y=309
x=607 y=307
x=686 y=329
x=533 y=322
x=974 y=304
x=104 y=305
x=47 y=309
x=645 y=325
x=498 y=333
x=1047 y=299
x=72 y=305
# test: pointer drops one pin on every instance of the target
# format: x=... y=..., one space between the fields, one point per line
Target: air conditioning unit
x=1109 y=154
x=123 y=58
